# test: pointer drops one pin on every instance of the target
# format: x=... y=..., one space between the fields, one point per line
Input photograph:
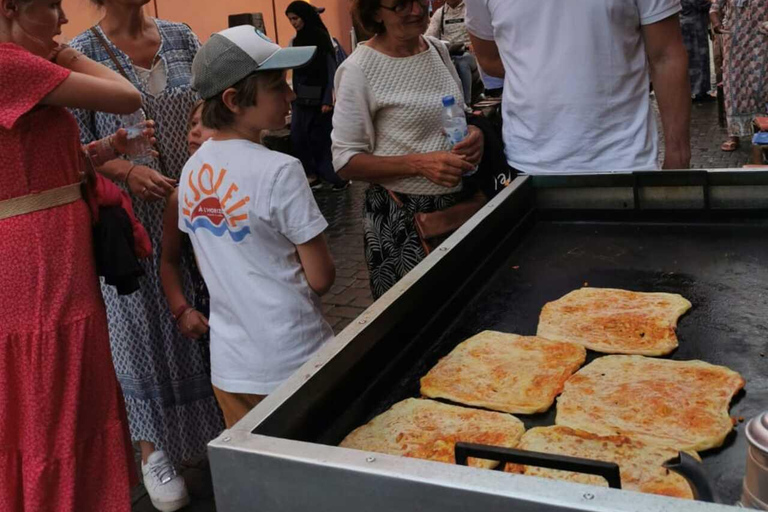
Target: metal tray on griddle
x=704 y=236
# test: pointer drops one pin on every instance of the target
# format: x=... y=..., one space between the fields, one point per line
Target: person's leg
x=235 y=406
x=463 y=64
x=147 y=448
x=320 y=143
x=301 y=121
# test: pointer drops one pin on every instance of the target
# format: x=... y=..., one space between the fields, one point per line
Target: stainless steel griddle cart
x=703 y=234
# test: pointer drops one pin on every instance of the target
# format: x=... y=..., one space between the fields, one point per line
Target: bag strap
x=109 y=51
x=105 y=44
x=447 y=61
x=442 y=21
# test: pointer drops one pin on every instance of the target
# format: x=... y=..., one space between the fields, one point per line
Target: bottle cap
x=449 y=101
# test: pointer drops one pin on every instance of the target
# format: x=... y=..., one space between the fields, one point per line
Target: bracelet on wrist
x=102 y=151
x=183 y=314
x=128 y=174
x=179 y=312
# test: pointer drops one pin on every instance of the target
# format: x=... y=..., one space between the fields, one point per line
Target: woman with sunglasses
x=387 y=132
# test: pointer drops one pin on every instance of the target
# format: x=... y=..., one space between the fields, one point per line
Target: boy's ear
x=228 y=98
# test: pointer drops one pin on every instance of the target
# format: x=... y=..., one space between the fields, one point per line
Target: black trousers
x=311 y=141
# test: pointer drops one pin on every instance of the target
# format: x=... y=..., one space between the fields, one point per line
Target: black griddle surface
x=721 y=269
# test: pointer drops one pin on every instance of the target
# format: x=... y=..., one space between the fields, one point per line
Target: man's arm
x=669 y=72
x=488 y=56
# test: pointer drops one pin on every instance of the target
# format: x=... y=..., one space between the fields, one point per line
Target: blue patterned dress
x=164 y=377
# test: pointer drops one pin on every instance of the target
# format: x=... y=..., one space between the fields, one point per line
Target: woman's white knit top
x=387 y=106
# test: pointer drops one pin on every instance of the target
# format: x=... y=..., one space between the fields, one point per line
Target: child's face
x=273 y=103
x=198 y=133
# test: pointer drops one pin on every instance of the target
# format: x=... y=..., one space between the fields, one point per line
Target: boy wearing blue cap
x=253 y=222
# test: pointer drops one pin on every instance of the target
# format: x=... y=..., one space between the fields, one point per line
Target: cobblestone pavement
x=706 y=137
x=351 y=295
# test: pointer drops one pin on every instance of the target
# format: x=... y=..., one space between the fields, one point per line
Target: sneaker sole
x=170 y=506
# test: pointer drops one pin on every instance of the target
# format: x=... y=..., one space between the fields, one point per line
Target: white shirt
x=388 y=106
x=576 y=91
x=448 y=24
x=246 y=208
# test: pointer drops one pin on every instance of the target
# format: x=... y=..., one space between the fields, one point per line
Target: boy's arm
x=191 y=322
x=318 y=264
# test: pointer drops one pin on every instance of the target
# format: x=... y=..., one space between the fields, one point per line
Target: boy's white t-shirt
x=576 y=92
x=245 y=209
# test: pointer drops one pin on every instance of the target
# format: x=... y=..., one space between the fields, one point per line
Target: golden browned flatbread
x=681 y=404
x=615 y=321
x=640 y=464
x=425 y=429
x=504 y=372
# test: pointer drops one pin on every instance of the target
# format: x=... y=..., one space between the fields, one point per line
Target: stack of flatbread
x=426 y=429
x=504 y=372
x=680 y=404
x=640 y=464
x=615 y=321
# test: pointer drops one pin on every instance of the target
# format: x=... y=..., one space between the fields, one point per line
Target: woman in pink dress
x=63 y=432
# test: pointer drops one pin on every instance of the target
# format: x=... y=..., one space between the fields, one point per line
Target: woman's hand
x=440 y=167
x=112 y=147
x=472 y=147
x=763 y=28
x=148 y=184
x=193 y=324
x=120 y=138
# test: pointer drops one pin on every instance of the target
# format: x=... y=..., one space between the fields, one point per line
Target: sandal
x=730 y=145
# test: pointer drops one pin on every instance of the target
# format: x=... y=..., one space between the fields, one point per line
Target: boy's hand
x=193 y=324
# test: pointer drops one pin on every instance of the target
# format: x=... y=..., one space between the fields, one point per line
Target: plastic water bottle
x=454 y=123
x=139 y=149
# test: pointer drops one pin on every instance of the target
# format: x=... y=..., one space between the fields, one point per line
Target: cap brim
x=289 y=58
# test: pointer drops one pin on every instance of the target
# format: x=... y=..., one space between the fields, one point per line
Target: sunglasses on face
x=404 y=7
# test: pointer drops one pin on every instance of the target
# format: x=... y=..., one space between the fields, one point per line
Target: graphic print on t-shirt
x=204 y=208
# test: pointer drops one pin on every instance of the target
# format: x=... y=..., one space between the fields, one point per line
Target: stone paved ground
x=706 y=137
x=350 y=295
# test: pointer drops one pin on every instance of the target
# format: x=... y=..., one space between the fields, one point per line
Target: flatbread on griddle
x=425 y=429
x=504 y=372
x=615 y=321
x=640 y=464
x=681 y=404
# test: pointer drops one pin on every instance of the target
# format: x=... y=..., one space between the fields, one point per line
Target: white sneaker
x=166 y=489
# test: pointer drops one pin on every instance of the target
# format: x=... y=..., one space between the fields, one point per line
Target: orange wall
x=209 y=16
